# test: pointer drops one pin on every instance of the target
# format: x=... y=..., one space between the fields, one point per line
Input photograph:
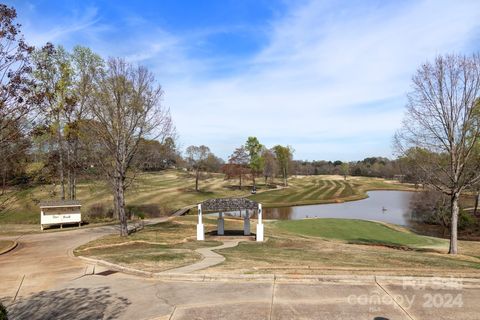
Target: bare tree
x=345 y=170
x=256 y=161
x=154 y=155
x=284 y=158
x=53 y=72
x=196 y=158
x=441 y=128
x=213 y=163
x=238 y=163
x=270 y=167
x=85 y=66
x=126 y=107
x=16 y=85
x=67 y=79
x=18 y=96
x=477 y=200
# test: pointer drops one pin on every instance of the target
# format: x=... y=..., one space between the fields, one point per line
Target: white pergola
x=227 y=205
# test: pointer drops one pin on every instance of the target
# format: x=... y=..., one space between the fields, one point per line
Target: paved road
x=52 y=284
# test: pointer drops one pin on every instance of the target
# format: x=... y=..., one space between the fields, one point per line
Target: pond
x=387 y=206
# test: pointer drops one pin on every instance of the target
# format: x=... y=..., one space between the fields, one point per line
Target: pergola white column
x=41 y=216
x=231 y=204
x=220 y=224
x=200 y=229
x=246 y=224
x=259 y=224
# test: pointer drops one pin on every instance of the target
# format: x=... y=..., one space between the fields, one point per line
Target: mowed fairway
x=167 y=191
x=304 y=190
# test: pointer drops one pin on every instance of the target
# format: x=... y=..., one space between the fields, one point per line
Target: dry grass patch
x=171 y=244
x=143 y=256
x=5 y=244
x=156 y=248
x=289 y=252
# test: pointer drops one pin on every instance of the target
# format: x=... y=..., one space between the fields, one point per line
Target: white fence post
x=259 y=224
x=220 y=224
x=200 y=229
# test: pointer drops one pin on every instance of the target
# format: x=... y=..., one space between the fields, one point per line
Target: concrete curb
x=286 y=278
x=442 y=281
x=10 y=248
x=116 y=267
x=179 y=276
x=280 y=278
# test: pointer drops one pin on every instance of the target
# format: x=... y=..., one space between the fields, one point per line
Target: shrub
x=98 y=211
x=466 y=220
x=146 y=210
x=3 y=312
x=433 y=207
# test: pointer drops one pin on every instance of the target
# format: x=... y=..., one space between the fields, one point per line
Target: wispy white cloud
x=330 y=79
x=62 y=31
x=328 y=73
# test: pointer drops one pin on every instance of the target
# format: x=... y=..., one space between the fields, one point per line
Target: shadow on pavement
x=70 y=303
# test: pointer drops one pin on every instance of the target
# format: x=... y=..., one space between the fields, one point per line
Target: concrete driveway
x=42 y=280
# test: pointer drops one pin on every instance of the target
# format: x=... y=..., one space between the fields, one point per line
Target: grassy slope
x=290 y=248
x=332 y=246
x=170 y=190
x=359 y=231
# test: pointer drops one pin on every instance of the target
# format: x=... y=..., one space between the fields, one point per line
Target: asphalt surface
x=41 y=279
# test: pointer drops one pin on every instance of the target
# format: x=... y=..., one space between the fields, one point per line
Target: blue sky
x=326 y=77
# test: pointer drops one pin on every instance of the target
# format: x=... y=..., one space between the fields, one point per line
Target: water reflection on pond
x=387 y=206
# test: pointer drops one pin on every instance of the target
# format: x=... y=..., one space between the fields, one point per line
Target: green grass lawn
x=360 y=232
x=161 y=193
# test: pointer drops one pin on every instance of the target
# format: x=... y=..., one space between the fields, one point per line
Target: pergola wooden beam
x=229 y=204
